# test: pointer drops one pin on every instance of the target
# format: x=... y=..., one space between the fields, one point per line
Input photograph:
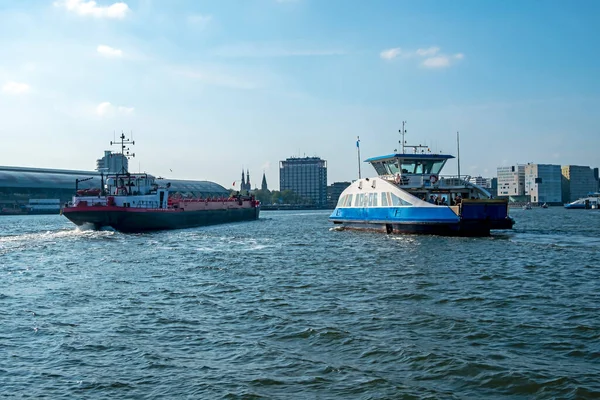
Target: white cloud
x=431 y=51
x=16 y=88
x=431 y=56
x=199 y=20
x=437 y=62
x=108 y=51
x=91 y=8
x=106 y=109
x=390 y=54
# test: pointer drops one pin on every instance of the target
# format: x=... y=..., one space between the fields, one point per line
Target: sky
x=208 y=88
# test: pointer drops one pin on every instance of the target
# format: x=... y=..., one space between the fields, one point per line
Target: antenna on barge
x=125 y=142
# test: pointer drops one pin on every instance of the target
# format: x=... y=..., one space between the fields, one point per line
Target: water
x=287 y=307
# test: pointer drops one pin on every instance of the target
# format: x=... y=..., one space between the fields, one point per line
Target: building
x=245 y=185
x=511 y=182
x=543 y=183
x=334 y=191
x=577 y=182
x=18 y=185
x=493 y=189
x=112 y=163
x=305 y=176
x=480 y=181
x=263 y=185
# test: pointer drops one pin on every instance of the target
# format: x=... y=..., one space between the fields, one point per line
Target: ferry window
x=380 y=168
x=357 y=201
x=408 y=168
x=392 y=168
x=349 y=201
x=437 y=167
x=397 y=201
x=419 y=168
x=370 y=201
x=384 y=201
x=375 y=196
x=342 y=201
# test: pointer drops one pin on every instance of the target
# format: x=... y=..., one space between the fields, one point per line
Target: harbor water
x=288 y=307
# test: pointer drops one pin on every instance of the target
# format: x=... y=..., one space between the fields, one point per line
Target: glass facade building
x=305 y=176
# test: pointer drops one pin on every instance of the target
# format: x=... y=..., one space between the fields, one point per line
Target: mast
x=124 y=150
x=358 y=151
x=458 y=152
x=402 y=132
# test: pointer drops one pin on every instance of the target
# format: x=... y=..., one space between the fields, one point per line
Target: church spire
x=263 y=186
x=243 y=185
x=248 y=180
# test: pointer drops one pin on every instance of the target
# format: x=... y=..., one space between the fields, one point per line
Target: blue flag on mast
x=357 y=142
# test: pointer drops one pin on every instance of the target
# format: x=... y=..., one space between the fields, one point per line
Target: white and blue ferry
x=410 y=196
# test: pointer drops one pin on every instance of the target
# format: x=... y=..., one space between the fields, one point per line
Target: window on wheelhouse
x=422 y=166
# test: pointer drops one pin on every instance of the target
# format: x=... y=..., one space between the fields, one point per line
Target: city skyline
x=209 y=87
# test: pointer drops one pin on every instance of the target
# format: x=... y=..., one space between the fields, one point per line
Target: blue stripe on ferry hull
x=417 y=215
x=421 y=220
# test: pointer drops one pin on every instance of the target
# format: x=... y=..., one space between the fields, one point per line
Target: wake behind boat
x=410 y=196
x=130 y=202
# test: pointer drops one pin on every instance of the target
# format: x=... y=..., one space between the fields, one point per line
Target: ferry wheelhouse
x=410 y=195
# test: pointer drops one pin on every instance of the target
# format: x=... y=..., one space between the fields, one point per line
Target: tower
x=243 y=184
x=263 y=185
x=248 y=185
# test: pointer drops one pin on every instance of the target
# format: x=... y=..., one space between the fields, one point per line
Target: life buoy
x=433 y=179
x=397 y=178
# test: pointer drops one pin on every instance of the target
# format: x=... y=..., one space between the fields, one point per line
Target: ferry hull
x=132 y=220
x=463 y=228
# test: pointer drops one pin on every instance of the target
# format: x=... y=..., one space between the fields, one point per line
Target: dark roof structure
x=39 y=178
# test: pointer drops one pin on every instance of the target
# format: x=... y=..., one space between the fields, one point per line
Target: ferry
x=410 y=195
x=590 y=202
x=131 y=203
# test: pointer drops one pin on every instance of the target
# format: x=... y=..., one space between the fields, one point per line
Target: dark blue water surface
x=287 y=307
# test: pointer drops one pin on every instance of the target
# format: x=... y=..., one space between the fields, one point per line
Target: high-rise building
x=307 y=177
x=577 y=182
x=112 y=163
x=543 y=183
x=511 y=181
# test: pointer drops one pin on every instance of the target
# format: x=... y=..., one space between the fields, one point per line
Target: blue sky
x=209 y=87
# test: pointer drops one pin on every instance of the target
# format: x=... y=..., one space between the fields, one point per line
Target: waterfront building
x=543 y=183
x=511 y=181
x=112 y=163
x=305 y=176
x=493 y=189
x=577 y=182
x=334 y=191
x=480 y=181
x=20 y=184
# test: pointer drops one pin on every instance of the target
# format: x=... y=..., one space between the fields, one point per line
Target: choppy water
x=286 y=307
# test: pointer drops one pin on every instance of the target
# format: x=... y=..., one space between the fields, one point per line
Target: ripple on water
x=259 y=310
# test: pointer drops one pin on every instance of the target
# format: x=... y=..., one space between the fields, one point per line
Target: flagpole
x=358 y=151
x=458 y=152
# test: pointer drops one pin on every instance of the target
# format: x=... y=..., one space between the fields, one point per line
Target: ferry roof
x=418 y=156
